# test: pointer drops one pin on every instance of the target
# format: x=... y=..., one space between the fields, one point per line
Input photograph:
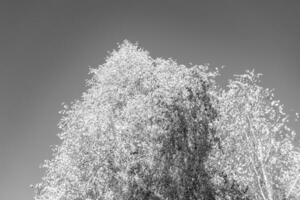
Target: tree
x=143 y=130
x=256 y=142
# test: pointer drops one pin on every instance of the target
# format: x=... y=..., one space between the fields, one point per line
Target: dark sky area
x=46 y=48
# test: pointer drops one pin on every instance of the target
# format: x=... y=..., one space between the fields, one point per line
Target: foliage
x=256 y=142
x=153 y=129
x=142 y=130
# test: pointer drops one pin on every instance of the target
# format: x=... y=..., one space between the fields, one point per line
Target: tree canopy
x=153 y=129
x=257 y=143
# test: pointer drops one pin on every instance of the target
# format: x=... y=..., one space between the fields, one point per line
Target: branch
x=254 y=168
x=269 y=190
x=293 y=185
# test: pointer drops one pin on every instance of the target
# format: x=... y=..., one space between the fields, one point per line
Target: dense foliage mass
x=152 y=129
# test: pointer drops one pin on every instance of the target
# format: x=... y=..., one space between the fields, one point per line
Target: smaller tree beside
x=256 y=143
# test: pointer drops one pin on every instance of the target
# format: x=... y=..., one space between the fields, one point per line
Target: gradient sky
x=46 y=48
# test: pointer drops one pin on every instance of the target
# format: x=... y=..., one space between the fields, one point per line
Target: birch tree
x=142 y=130
x=256 y=142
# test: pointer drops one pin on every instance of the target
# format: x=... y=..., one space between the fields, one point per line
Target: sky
x=47 y=47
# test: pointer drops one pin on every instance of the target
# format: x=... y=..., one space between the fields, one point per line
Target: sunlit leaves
x=256 y=142
x=151 y=128
x=138 y=129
